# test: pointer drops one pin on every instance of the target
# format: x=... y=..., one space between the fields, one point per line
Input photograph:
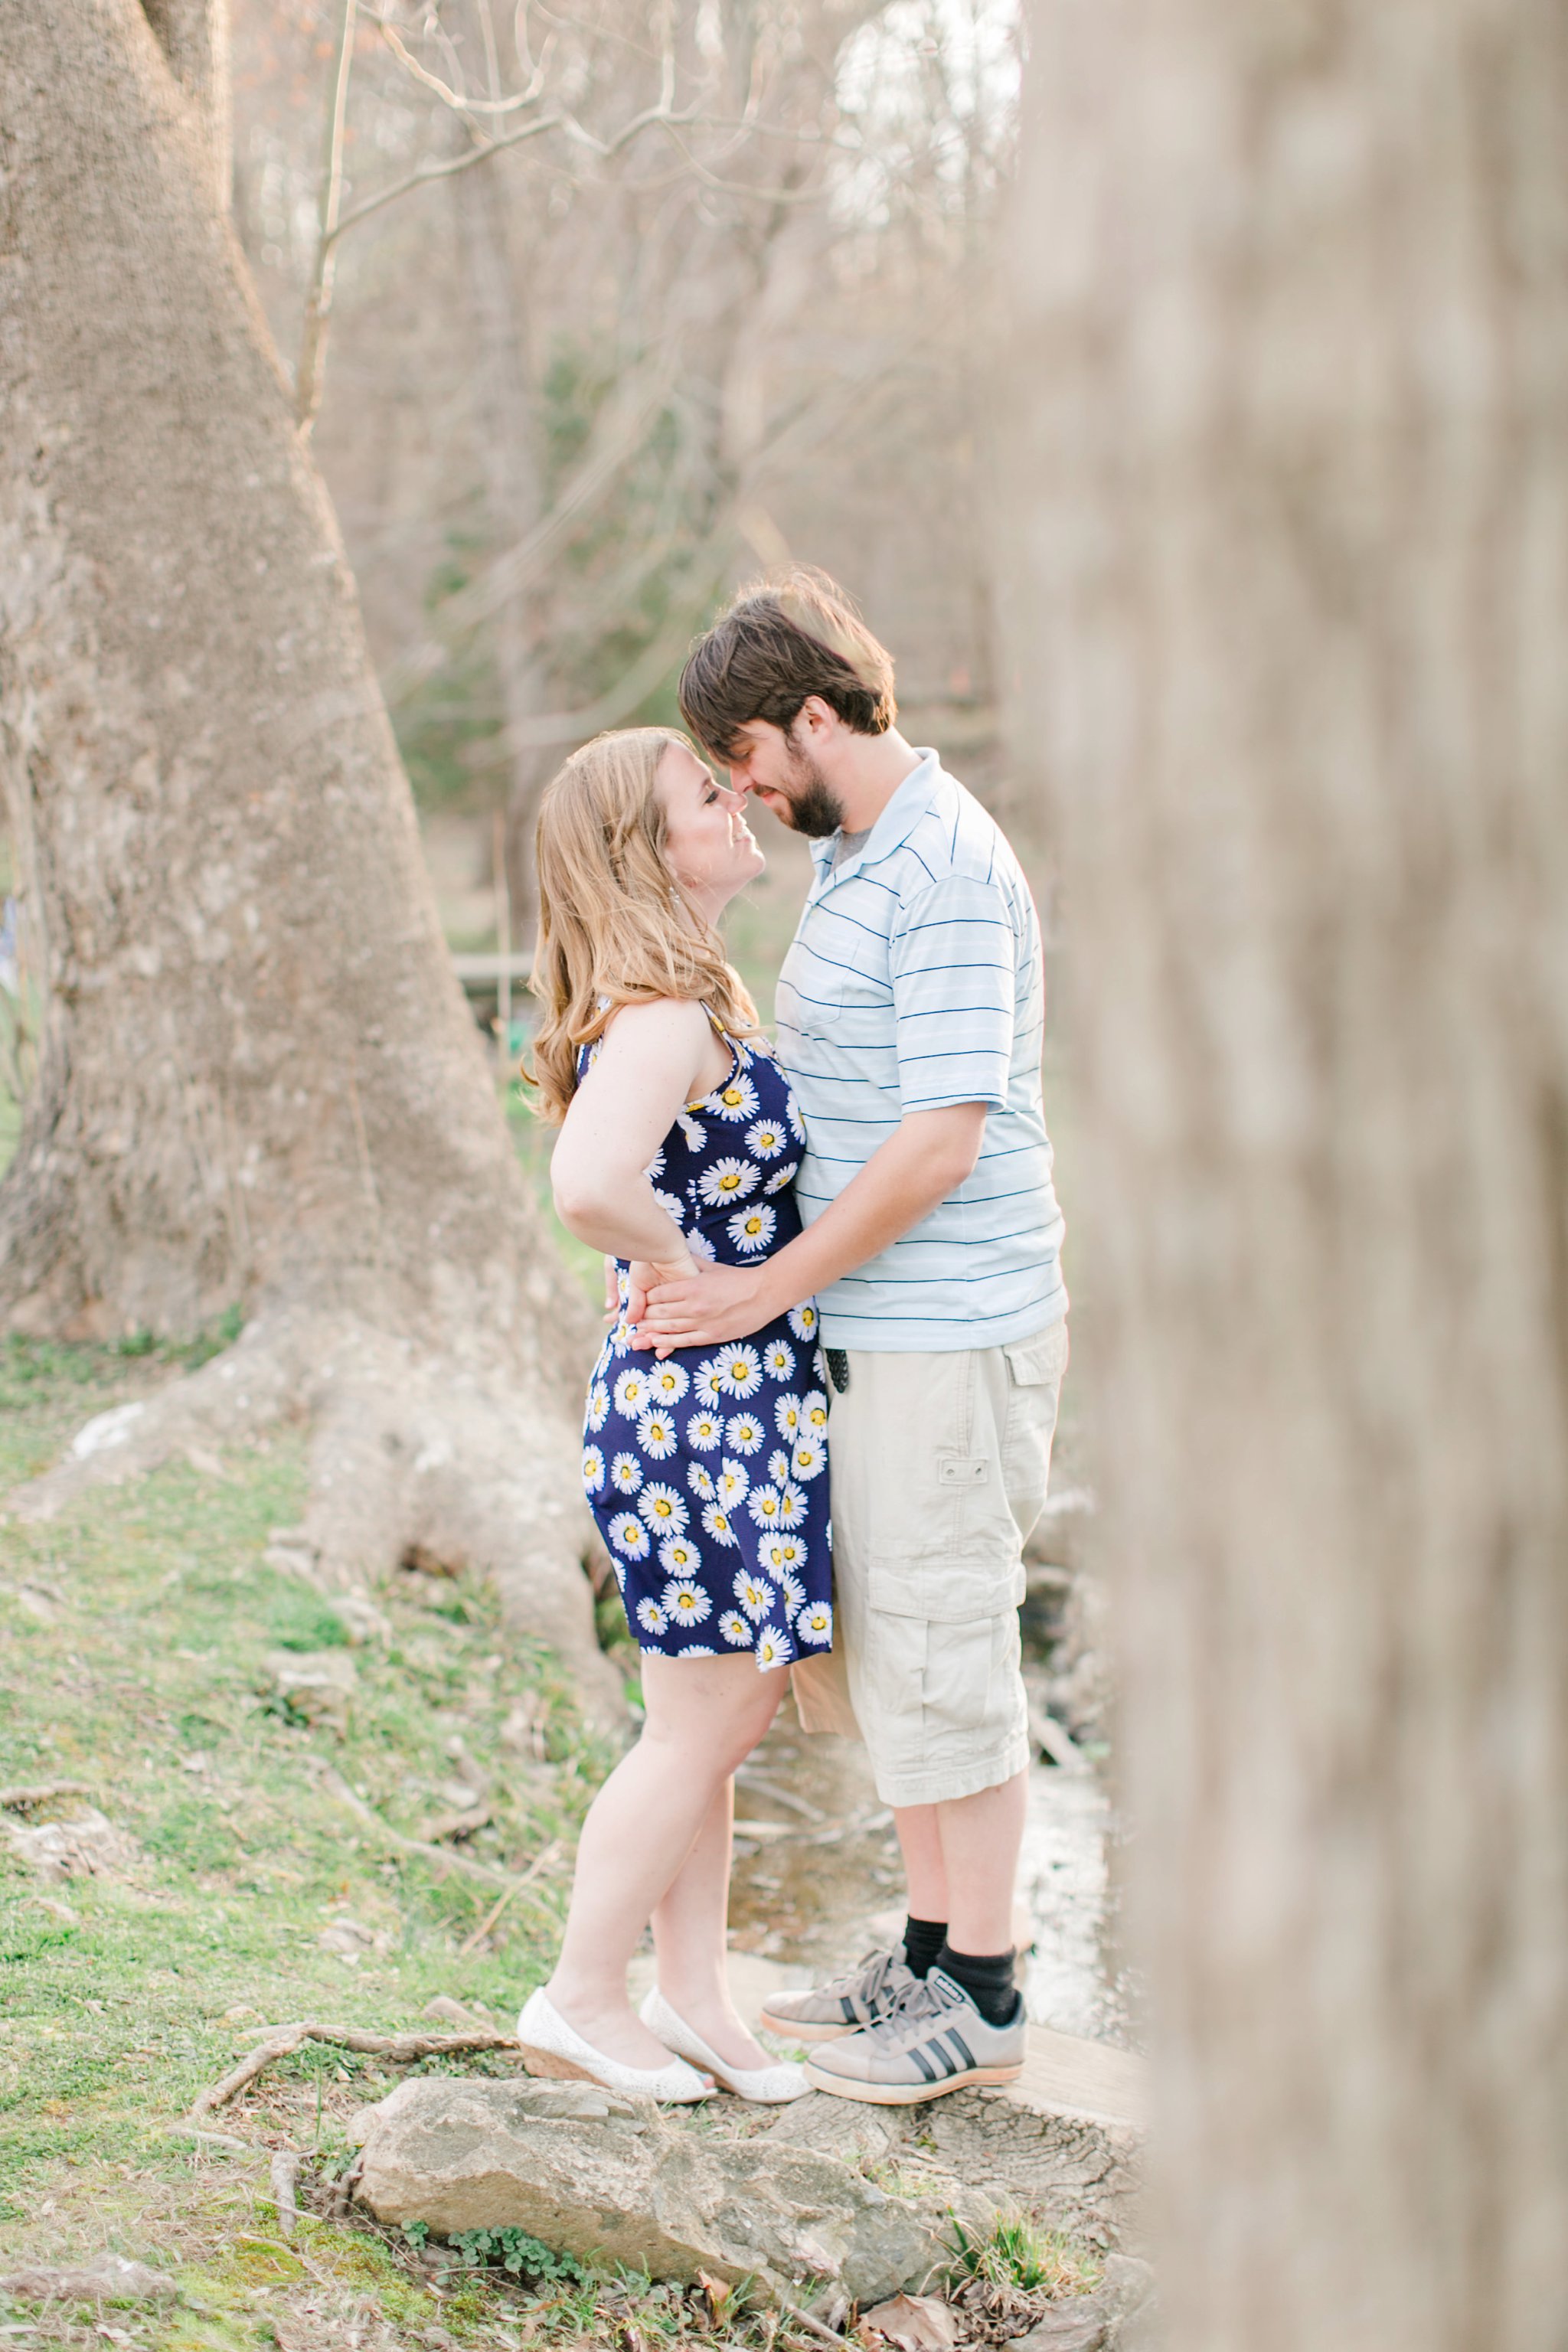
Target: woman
x=706 y=1470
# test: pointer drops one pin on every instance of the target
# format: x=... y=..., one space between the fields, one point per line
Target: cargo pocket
x=1034 y=1369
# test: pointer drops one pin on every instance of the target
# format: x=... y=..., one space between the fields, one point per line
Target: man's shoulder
x=956 y=839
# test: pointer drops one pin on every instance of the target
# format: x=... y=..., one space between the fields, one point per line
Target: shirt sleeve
x=953 y=964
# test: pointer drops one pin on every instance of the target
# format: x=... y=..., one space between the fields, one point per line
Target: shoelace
x=866 y=1978
x=916 y=2006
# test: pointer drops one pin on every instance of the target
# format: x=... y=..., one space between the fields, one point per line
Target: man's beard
x=815 y=808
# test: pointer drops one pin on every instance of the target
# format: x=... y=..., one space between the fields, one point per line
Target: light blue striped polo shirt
x=914 y=980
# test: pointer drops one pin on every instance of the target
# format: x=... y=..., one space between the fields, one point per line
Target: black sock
x=987 y=1978
x=923 y=1939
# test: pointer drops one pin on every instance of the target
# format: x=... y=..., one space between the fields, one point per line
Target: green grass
x=134 y=1632
x=1019 y=2256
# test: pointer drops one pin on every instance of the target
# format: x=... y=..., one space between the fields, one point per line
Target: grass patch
x=1020 y=2257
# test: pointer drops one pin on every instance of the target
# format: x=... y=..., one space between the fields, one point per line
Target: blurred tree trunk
x=1291 y=433
x=258 y=1080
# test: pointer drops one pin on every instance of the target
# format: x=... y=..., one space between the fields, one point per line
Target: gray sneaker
x=934 y=2041
x=869 y=1990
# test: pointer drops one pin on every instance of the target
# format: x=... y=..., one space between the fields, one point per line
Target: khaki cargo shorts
x=939 y=1465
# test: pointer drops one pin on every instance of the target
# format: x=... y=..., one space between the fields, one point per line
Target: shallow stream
x=818 y=1881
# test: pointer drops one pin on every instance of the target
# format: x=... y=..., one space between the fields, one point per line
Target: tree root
x=416 y=1450
x=25 y=1801
x=401 y=2049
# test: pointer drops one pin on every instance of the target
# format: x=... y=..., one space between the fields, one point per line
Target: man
x=909 y=1017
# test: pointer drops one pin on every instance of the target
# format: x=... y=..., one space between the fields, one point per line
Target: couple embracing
x=835 y=1288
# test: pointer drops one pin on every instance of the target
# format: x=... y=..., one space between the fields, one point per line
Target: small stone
x=317 y=1684
x=107 y=2278
x=87 y=1846
x=1080 y=2325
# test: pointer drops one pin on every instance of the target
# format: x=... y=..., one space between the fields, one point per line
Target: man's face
x=779 y=771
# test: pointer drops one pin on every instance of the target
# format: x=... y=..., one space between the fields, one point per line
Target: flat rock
x=107 y=2278
x=87 y=1846
x=613 y=2180
x=319 y=1685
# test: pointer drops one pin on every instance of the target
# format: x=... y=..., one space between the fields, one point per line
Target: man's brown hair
x=781 y=641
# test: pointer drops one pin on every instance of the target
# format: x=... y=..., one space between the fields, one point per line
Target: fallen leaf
x=917 y=2322
x=716 y=2294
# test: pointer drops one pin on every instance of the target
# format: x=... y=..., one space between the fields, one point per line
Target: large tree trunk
x=1292 y=440
x=258 y=1081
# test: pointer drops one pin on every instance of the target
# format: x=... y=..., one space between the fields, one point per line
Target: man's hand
x=713 y=1303
x=646 y=1274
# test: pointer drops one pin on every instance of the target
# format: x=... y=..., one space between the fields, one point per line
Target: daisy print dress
x=707 y=1473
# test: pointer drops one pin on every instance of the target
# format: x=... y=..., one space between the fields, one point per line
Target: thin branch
x=429 y=171
x=455 y=98
x=402 y=2049
x=22 y=1801
x=319 y=303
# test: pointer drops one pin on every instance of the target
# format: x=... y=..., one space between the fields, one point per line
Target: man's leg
x=961 y=1859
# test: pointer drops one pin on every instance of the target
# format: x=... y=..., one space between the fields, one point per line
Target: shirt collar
x=897 y=821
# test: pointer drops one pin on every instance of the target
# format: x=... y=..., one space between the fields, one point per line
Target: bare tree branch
x=318 y=302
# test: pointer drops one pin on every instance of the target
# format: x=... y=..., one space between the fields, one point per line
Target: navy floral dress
x=707 y=1473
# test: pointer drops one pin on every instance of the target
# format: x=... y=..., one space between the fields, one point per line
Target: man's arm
x=927 y=1156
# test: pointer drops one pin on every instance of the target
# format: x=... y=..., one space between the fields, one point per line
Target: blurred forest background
x=571 y=394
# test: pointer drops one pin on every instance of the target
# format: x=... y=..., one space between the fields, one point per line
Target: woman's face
x=707 y=840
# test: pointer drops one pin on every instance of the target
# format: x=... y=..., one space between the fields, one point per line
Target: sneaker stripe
x=957 y=2042
x=848 y=2006
x=934 y=2050
x=928 y=2071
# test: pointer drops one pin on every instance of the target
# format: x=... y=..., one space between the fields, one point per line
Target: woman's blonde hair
x=615 y=927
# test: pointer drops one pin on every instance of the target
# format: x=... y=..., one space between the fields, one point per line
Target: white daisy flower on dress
x=778 y=1465
x=778 y=1359
x=696 y=1650
x=734 y=1483
x=735 y=1629
x=632 y=1395
x=766 y=1506
x=679 y=1557
x=794 y=1592
x=673 y=1209
x=788 y=1417
x=625 y=1473
x=814 y=1624
x=792 y=1505
x=686 y=1603
x=809 y=1458
x=791 y=1553
x=792 y=1112
x=803 y=1320
x=739 y=1371
x=727 y=1181
x=815 y=1408
x=592 y=1470
x=711 y=1381
x=650 y=1617
x=716 y=1523
x=738 y=1100
x=691 y=1129
x=754 y=1593
x=657 y=1433
x=664 y=1511
x=772 y=1648
x=620 y=1338
x=745 y=1431
x=705 y=1430
x=752 y=1230
x=598 y=1405
x=700 y=1478
x=765 y=1141
x=654 y=1168
x=669 y=1382
x=698 y=1243
x=628 y=1535
x=782 y=1176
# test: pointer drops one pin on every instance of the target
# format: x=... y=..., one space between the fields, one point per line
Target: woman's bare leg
x=690 y=1935
x=704 y=1716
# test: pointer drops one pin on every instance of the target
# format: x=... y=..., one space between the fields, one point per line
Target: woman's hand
x=646 y=1274
x=612 y=1291
x=712 y=1304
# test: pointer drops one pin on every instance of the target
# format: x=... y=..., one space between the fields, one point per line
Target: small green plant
x=1018 y=2253
x=516 y=2251
x=417 y=2233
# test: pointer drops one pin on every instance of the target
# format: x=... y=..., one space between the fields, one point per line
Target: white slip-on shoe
x=551 y=2046
x=768 y=2086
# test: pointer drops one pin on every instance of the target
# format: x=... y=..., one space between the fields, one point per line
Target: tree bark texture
x=1291 y=423
x=258 y=1080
